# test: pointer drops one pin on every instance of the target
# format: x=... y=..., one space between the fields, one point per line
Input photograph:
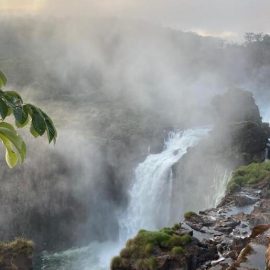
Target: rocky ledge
x=234 y=235
x=16 y=255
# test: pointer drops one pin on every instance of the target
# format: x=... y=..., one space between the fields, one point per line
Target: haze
x=227 y=19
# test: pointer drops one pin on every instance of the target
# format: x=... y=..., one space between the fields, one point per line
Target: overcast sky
x=218 y=17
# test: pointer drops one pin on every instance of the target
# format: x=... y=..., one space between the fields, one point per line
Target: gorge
x=153 y=123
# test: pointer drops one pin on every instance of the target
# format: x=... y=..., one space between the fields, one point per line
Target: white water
x=217 y=189
x=149 y=206
x=151 y=193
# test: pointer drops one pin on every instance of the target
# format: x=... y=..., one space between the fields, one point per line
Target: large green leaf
x=41 y=122
x=21 y=116
x=51 y=130
x=15 y=146
x=11 y=156
x=3 y=109
x=3 y=79
x=12 y=98
x=38 y=121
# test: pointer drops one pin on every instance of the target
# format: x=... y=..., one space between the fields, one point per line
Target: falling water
x=218 y=187
x=151 y=193
x=149 y=206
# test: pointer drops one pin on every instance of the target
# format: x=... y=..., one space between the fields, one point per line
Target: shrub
x=249 y=175
x=177 y=251
x=140 y=250
x=149 y=249
x=146 y=264
x=175 y=241
x=189 y=214
x=186 y=239
x=180 y=240
x=176 y=227
x=116 y=262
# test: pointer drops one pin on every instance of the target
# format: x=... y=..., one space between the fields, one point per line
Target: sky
x=225 y=18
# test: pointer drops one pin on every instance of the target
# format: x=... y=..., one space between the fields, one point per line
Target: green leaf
x=38 y=121
x=15 y=146
x=12 y=98
x=7 y=125
x=51 y=130
x=3 y=79
x=21 y=116
x=3 y=109
x=11 y=156
x=33 y=131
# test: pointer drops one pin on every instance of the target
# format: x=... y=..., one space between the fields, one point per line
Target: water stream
x=149 y=206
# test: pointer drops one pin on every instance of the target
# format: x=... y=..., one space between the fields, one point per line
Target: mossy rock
x=18 y=247
x=179 y=240
x=146 y=264
x=249 y=175
x=177 y=251
x=16 y=254
x=141 y=251
x=176 y=227
x=188 y=215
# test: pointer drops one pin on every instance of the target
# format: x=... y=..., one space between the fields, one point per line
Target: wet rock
x=226 y=226
x=233 y=236
x=243 y=200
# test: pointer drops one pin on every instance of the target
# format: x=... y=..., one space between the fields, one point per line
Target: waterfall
x=149 y=205
x=218 y=187
x=151 y=192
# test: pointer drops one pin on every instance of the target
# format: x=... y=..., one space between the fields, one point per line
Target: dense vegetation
x=142 y=250
x=249 y=175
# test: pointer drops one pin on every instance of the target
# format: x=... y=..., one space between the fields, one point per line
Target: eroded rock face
x=236 y=106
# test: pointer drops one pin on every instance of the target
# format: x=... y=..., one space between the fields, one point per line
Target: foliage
x=142 y=250
x=11 y=103
x=177 y=250
x=189 y=214
x=146 y=264
x=249 y=175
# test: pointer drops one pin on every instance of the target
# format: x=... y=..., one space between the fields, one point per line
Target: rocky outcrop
x=16 y=255
x=233 y=236
x=237 y=137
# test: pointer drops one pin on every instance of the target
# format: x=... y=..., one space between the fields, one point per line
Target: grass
x=249 y=175
x=141 y=251
x=177 y=251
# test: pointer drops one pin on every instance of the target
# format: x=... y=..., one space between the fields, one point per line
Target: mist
x=116 y=77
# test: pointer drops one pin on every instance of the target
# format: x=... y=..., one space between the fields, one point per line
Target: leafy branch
x=11 y=103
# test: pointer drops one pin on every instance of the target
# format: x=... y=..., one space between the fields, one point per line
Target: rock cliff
x=238 y=137
x=234 y=235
